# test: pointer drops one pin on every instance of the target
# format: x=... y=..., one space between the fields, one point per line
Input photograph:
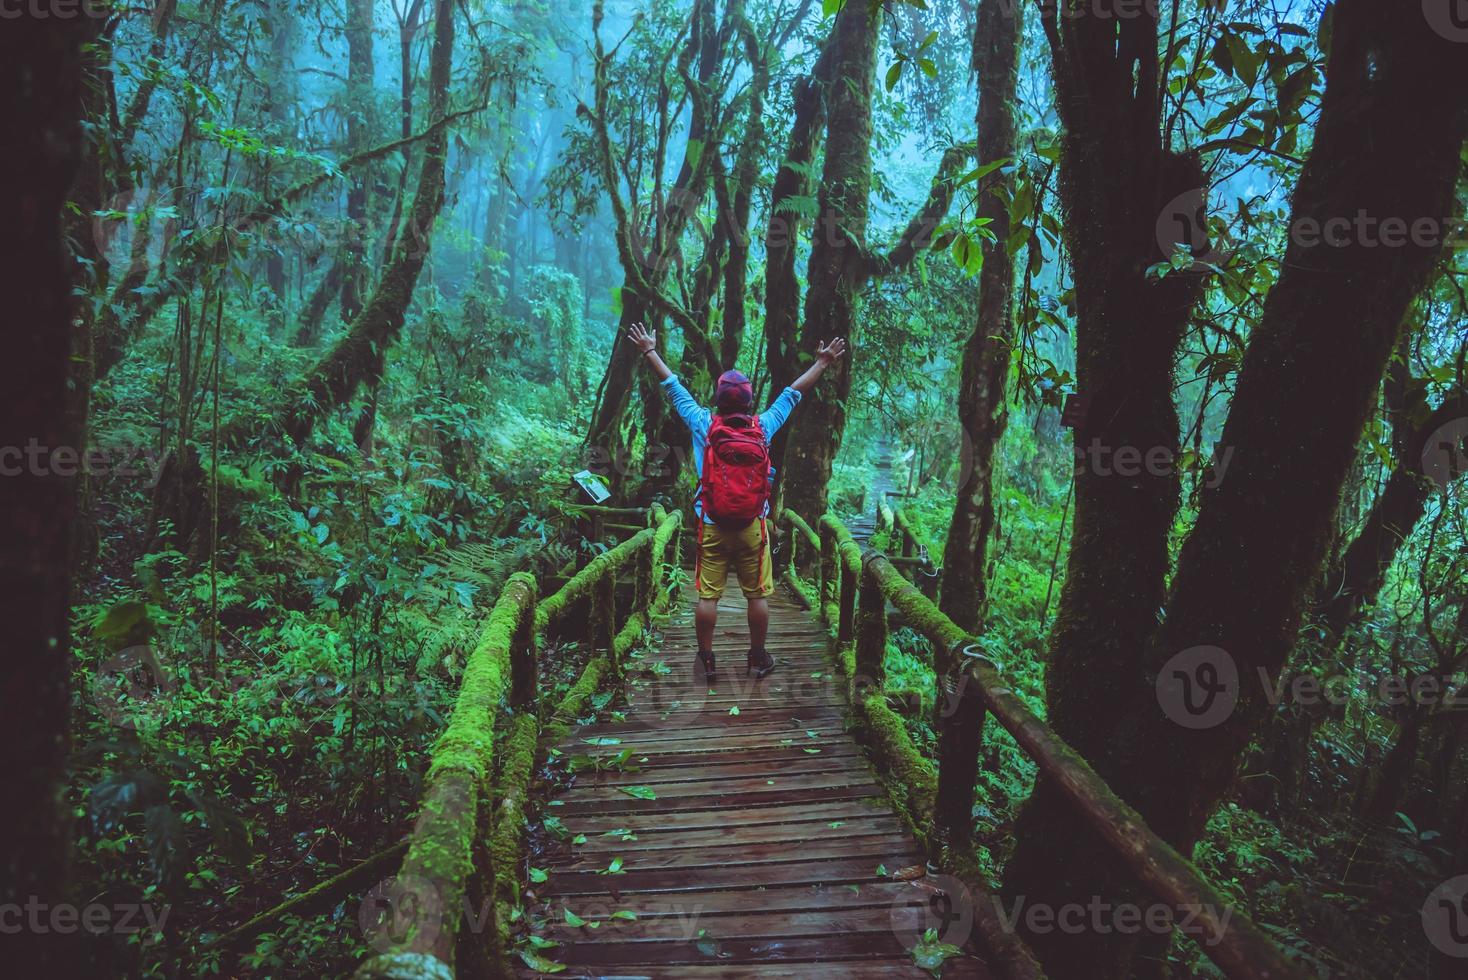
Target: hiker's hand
x=829 y=354
x=643 y=338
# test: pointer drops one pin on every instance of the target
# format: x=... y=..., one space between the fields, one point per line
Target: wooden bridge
x=739 y=828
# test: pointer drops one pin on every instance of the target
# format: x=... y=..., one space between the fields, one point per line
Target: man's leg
x=705 y=616
x=759 y=622
x=757 y=580
x=709 y=573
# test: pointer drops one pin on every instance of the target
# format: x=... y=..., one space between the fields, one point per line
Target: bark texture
x=40 y=105
x=985 y=370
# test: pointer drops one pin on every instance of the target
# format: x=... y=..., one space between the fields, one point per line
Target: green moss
x=582 y=583
x=468 y=742
x=563 y=719
x=508 y=837
x=910 y=779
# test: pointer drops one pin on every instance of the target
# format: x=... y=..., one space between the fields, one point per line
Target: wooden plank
x=734 y=733
x=734 y=950
x=751 y=816
x=830 y=847
x=819 y=897
x=851 y=870
x=726 y=800
x=709 y=787
x=740 y=835
x=771 y=765
x=871 y=969
x=902 y=917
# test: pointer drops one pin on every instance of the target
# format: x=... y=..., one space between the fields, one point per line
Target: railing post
x=847 y=607
x=871 y=629
x=604 y=595
x=524 y=659
x=960 y=736
x=828 y=567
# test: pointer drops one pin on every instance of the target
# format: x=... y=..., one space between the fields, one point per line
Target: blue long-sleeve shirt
x=698 y=419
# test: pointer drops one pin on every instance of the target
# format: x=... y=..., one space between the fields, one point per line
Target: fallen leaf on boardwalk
x=538 y=875
x=572 y=919
x=539 y=963
x=625 y=914
x=734 y=710
x=910 y=873
x=639 y=792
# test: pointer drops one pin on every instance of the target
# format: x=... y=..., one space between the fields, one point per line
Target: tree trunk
x=1351 y=586
x=1303 y=396
x=981 y=410
x=836 y=273
x=1116 y=177
x=41 y=103
x=359 y=98
x=1245 y=570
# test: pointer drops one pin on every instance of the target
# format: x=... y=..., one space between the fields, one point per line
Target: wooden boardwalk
x=753 y=840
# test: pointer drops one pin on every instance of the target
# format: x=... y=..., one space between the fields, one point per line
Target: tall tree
x=841 y=260
x=40 y=105
x=1245 y=571
x=985 y=371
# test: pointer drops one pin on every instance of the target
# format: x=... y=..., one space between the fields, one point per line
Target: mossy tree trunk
x=646 y=269
x=41 y=96
x=1116 y=176
x=359 y=96
x=1244 y=574
x=782 y=234
x=985 y=369
x=836 y=272
x=841 y=262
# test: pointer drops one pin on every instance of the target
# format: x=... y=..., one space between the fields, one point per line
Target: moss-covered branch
x=440 y=854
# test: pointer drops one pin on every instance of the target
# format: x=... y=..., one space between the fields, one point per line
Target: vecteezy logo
x=400 y=911
x=1183 y=222
x=1449 y=18
x=1199 y=687
x=1445 y=917
x=937 y=902
x=1445 y=453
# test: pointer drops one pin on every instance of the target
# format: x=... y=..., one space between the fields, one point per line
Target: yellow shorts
x=748 y=549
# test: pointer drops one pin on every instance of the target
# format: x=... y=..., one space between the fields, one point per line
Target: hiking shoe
x=760 y=662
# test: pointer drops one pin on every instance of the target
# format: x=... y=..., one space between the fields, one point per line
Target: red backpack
x=736 y=471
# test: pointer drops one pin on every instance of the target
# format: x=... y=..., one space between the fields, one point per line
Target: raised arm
x=646 y=341
x=827 y=355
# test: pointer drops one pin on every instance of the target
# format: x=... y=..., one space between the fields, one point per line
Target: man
x=733 y=495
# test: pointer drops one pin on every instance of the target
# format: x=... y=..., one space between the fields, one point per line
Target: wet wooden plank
x=873 y=969
x=750 y=816
x=738 y=835
x=855 y=870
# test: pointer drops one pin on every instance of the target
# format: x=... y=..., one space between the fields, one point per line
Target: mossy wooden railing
x=854 y=590
x=460 y=877
x=912 y=554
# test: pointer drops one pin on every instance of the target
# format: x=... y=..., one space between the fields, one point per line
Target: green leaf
x=734 y=710
x=540 y=942
x=539 y=963
x=894 y=75
x=579 y=839
x=602 y=740
x=572 y=919
x=615 y=868
x=539 y=876
x=627 y=915
x=639 y=792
